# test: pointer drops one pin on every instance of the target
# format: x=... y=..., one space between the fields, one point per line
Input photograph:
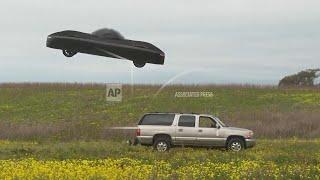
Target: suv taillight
x=250 y=135
x=138 y=132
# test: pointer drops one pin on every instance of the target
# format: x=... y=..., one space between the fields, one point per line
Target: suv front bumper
x=250 y=143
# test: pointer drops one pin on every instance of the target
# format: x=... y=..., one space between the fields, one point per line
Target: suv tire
x=235 y=144
x=161 y=144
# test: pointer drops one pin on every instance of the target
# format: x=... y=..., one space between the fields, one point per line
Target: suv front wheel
x=235 y=144
x=161 y=144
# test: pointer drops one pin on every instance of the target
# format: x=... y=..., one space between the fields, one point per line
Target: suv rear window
x=187 y=121
x=157 y=119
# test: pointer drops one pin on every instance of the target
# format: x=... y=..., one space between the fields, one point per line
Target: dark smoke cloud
x=108 y=33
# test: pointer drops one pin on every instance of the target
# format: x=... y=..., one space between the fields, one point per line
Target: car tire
x=139 y=64
x=69 y=53
x=235 y=144
x=161 y=144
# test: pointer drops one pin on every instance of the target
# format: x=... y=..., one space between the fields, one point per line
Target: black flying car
x=108 y=43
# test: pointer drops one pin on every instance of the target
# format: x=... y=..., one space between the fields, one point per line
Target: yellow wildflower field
x=127 y=168
x=270 y=159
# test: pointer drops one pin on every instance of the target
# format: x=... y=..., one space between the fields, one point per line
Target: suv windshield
x=157 y=119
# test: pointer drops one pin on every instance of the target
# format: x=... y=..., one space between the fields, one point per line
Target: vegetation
x=62 y=131
x=303 y=78
x=80 y=111
x=271 y=159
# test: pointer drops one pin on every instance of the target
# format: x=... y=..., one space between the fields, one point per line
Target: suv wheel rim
x=236 y=146
x=162 y=146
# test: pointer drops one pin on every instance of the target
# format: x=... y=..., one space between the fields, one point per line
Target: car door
x=186 y=133
x=208 y=134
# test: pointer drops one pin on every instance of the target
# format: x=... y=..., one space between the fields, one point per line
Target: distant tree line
x=303 y=78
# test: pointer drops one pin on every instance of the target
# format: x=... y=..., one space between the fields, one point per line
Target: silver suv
x=164 y=130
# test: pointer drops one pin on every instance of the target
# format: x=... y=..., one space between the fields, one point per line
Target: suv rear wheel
x=161 y=144
x=235 y=144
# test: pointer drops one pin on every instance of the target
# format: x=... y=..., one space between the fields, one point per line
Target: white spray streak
x=174 y=78
x=123 y=128
x=131 y=81
x=120 y=57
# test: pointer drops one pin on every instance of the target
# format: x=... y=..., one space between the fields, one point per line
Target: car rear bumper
x=144 y=139
x=250 y=143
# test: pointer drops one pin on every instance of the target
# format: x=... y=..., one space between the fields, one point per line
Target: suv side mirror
x=218 y=127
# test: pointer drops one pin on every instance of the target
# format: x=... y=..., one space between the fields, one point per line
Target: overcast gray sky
x=205 y=41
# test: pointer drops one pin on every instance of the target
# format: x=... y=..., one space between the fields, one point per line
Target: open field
x=60 y=131
x=276 y=159
x=80 y=111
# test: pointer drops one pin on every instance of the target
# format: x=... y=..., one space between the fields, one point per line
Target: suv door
x=208 y=132
x=186 y=133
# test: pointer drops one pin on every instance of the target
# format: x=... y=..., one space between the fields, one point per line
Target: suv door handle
x=200 y=130
x=180 y=130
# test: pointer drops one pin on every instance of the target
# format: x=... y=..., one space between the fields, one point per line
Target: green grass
x=60 y=103
x=69 y=121
x=270 y=159
x=278 y=151
x=81 y=112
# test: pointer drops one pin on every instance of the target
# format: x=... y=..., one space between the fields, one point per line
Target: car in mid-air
x=108 y=43
x=165 y=130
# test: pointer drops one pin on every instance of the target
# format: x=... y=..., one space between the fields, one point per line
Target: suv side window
x=207 y=122
x=157 y=119
x=187 y=121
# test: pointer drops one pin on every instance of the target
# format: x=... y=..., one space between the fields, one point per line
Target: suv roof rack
x=175 y=112
x=163 y=112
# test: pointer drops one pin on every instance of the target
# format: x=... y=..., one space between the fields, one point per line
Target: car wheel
x=235 y=144
x=139 y=64
x=161 y=145
x=69 y=53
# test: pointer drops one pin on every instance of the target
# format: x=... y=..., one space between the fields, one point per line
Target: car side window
x=207 y=122
x=187 y=121
x=157 y=119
